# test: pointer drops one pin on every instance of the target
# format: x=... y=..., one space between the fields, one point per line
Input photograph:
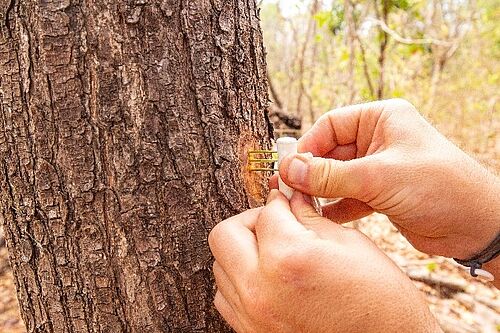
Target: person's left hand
x=284 y=268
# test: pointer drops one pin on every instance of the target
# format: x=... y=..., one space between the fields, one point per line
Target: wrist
x=486 y=225
x=492 y=213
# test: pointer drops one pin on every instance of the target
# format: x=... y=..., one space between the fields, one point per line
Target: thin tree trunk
x=274 y=94
x=349 y=39
x=302 y=58
x=366 y=70
x=312 y=75
x=384 y=39
x=435 y=78
x=123 y=138
x=364 y=60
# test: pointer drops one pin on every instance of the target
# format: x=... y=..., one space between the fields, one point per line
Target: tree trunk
x=310 y=32
x=124 y=132
x=349 y=40
x=384 y=40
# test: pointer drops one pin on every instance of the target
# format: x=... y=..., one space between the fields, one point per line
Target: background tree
x=301 y=63
x=124 y=131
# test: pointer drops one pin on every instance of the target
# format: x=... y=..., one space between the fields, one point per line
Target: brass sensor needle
x=258 y=157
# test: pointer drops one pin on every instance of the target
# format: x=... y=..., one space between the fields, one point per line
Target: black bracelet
x=488 y=254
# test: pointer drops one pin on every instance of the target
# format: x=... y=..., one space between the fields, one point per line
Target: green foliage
x=318 y=38
x=400 y=4
x=331 y=19
x=489 y=24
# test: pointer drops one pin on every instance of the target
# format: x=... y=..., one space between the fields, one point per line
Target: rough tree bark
x=123 y=138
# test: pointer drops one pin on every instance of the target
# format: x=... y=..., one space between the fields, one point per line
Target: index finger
x=342 y=126
x=234 y=245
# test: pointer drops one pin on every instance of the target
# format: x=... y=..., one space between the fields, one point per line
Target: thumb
x=325 y=177
x=303 y=210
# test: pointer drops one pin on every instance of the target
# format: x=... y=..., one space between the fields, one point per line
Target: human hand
x=383 y=156
x=284 y=268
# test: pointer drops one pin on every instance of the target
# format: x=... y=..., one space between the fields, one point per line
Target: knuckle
x=256 y=301
x=212 y=237
x=216 y=269
x=399 y=102
x=403 y=105
x=326 y=117
x=267 y=214
x=264 y=214
x=216 y=234
x=328 y=180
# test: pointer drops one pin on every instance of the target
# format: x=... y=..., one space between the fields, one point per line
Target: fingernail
x=297 y=171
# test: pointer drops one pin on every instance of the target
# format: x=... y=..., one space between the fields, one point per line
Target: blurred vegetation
x=441 y=55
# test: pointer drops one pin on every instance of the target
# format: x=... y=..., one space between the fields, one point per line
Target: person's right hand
x=383 y=156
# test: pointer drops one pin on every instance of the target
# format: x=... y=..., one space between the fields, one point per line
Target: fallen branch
x=406 y=40
x=451 y=285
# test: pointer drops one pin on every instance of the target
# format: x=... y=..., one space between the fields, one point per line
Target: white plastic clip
x=285 y=146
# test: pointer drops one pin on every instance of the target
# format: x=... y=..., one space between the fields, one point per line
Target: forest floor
x=10 y=320
x=461 y=303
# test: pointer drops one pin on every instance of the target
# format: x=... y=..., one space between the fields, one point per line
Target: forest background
x=441 y=55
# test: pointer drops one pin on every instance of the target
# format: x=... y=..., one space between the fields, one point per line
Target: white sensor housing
x=285 y=146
